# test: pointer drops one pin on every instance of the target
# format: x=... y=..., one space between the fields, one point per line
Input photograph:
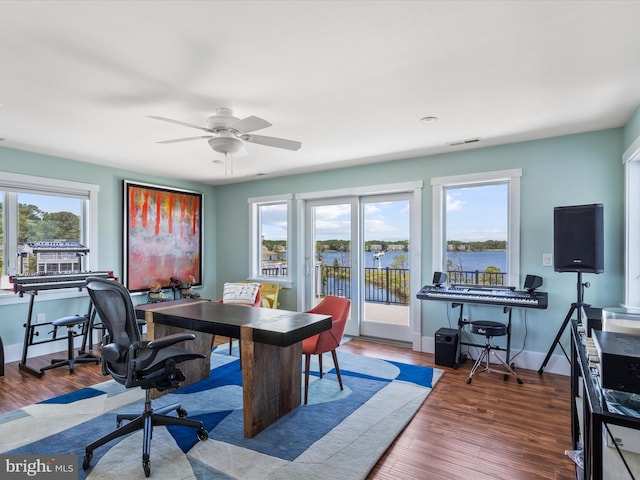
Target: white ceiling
x=349 y=79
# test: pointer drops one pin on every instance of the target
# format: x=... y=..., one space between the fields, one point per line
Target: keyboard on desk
x=487 y=296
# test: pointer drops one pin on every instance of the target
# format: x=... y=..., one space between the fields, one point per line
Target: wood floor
x=489 y=429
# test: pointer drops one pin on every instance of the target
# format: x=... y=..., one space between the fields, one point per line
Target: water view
x=465 y=261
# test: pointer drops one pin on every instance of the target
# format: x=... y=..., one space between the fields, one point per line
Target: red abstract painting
x=163 y=236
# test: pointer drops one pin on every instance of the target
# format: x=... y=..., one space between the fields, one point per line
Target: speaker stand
x=579 y=306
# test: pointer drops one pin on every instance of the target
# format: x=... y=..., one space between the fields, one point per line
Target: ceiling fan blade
x=272 y=142
x=250 y=124
x=178 y=122
x=184 y=139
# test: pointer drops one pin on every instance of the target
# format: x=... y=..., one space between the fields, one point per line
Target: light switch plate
x=547 y=259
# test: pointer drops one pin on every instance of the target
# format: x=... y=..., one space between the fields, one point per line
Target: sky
x=475 y=213
x=51 y=203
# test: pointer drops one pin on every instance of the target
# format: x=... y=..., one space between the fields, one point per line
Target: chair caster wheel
x=182 y=413
x=468 y=381
x=520 y=382
x=86 y=463
x=147 y=468
x=203 y=435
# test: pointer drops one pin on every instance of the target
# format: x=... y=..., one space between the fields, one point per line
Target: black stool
x=71 y=360
x=490 y=329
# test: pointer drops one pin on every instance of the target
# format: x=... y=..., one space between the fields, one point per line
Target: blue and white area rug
x=339 y=435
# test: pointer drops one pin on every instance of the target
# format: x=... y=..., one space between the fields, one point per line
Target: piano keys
x=505 y=296
x=34 y=283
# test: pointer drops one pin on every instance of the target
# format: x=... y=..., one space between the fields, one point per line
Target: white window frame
x=631 y=161
x=255 y=239
x=512 y=178
x=18 y=183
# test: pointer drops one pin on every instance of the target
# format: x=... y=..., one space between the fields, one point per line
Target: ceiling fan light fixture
x=225 y=145
x=429 y=119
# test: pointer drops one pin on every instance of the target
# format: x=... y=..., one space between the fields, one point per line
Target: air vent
x=464 y=142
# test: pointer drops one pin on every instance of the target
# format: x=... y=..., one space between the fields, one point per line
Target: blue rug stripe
x=227 y=374
x=185 y=437
x=75 y=396
x=415 y=374
x=217 y=402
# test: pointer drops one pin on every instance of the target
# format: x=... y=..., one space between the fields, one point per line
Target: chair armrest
x=172 y=339
x=113 y=352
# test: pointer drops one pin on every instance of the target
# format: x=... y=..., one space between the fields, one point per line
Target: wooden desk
x=271 y=349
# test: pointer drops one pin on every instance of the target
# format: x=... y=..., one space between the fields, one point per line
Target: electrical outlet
x=41 y=317
x=465 y=319
x=547 y=259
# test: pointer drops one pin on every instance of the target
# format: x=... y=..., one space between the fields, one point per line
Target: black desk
x=271 y=349
x=594 y=410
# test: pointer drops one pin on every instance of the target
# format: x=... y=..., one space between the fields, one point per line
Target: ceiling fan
x=227 y=134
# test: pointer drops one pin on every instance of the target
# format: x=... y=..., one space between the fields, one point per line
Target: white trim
x=498 y=175
x=632 y=153
x=361 y=191
x=631 y=161
x=255 y=242
x=87 y=192
x=512 y=177
x=414 y=189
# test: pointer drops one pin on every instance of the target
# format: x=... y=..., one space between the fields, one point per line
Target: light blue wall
x=569 y=170
x=110 y=243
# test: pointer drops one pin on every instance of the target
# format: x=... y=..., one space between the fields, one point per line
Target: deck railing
x=475 y=277
x=385 y=285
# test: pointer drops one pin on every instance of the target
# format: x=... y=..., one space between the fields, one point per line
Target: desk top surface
x=272 y=326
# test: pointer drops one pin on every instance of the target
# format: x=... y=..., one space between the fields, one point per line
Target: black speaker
x=439 y=278
x=531 y=282
x=578 y=238
x=446 y=347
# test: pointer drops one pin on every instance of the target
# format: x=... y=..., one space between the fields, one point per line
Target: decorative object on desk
x=162 y=235
x=339 y=435
x=156 y=294
x=186 y=291
x=327 y=341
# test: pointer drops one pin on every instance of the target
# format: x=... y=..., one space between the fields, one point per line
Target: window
x=476 y=232
x=34 y=209
x=271 y=239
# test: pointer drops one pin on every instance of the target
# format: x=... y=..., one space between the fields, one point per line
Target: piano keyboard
x=34 y=283
x=486 y=296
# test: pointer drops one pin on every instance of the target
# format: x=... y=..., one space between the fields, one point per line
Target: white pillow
x=241 y=293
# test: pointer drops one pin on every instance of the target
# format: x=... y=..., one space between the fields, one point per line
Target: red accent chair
x=328 y=340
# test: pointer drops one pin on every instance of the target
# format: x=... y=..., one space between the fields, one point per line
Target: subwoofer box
x=446 y=347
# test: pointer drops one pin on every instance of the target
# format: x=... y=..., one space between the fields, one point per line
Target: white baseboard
x=527 y=360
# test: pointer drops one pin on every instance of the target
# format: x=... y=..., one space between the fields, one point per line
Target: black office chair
x=492 y=329
x=135 y=363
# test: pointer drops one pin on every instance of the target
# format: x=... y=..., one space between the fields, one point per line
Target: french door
x=358 y=247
